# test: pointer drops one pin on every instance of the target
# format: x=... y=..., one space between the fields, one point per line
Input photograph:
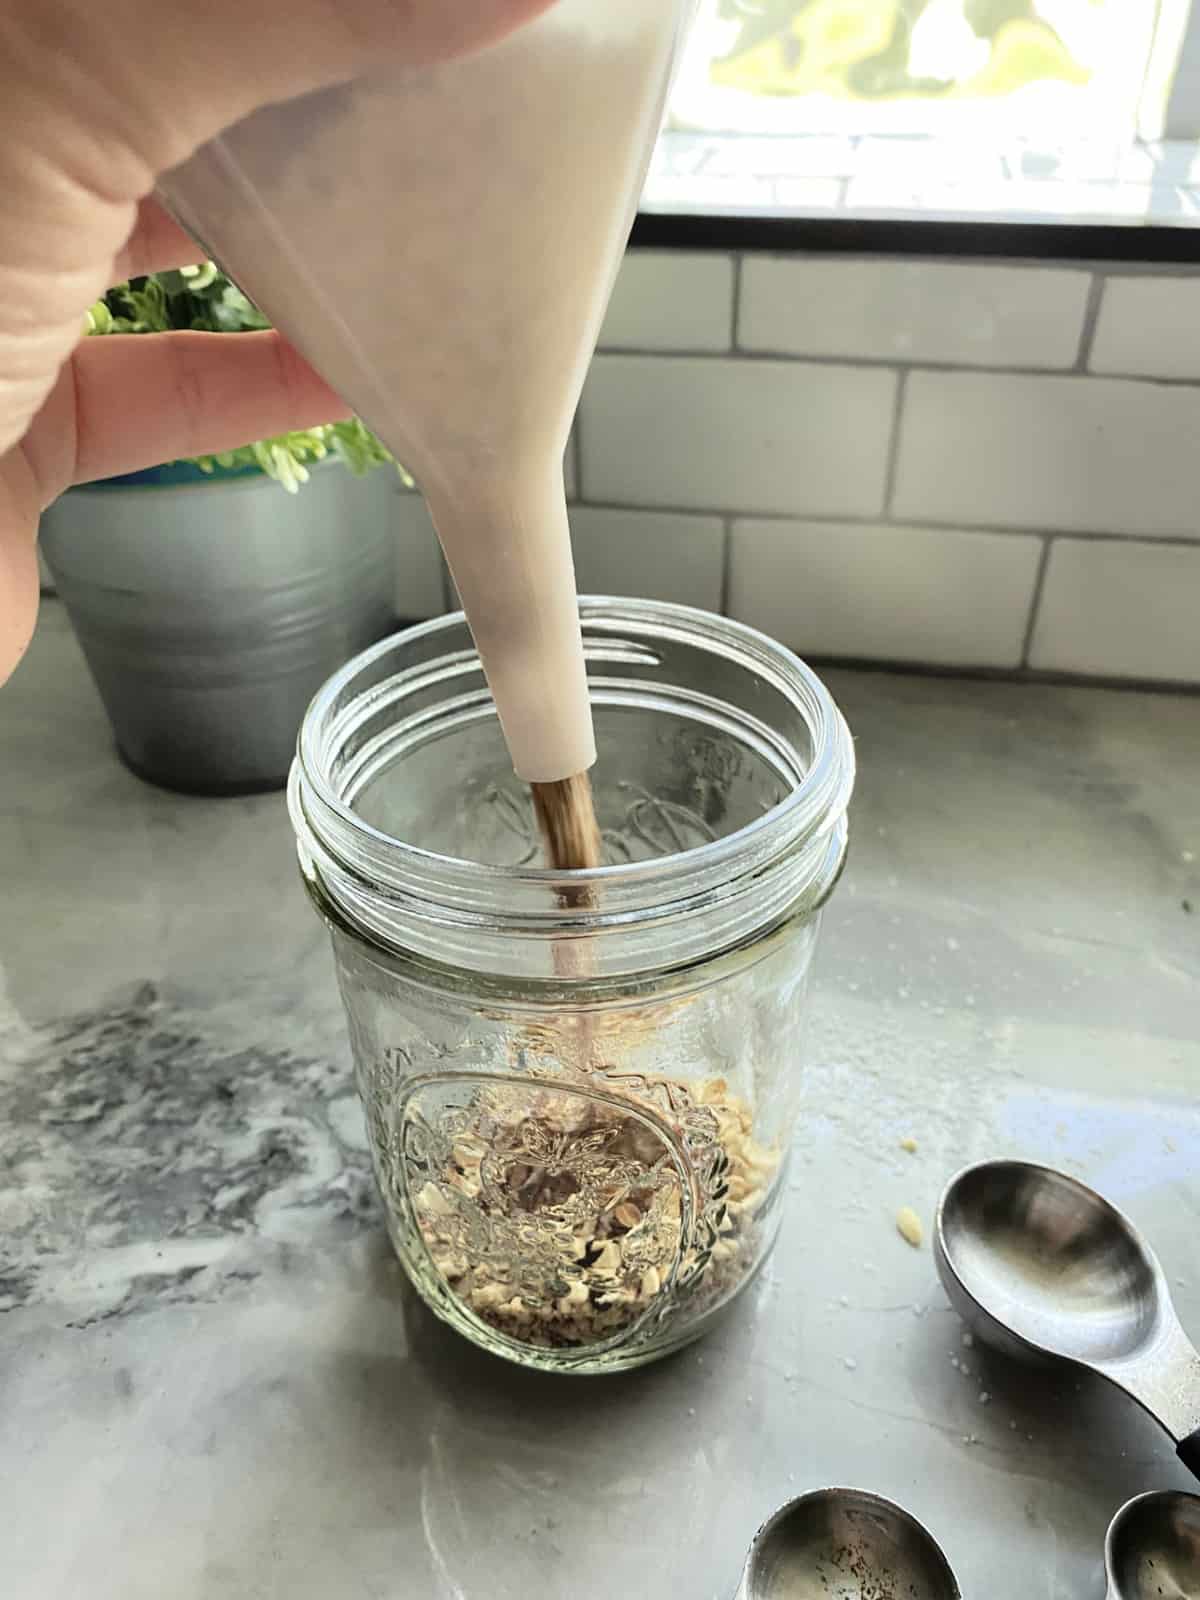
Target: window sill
x=920 y=179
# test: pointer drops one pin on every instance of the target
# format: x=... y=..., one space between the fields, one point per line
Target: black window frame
x=864 y=236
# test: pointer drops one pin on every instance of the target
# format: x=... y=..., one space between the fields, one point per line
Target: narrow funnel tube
x=517 y=584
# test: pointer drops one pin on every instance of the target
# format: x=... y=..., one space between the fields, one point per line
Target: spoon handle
x=1188 y=1451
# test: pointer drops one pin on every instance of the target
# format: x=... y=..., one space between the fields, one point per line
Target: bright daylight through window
x=1017 y=110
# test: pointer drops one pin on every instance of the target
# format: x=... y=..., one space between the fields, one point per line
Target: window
x=1027 y=110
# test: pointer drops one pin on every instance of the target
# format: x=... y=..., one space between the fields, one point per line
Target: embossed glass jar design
x=580 y=1088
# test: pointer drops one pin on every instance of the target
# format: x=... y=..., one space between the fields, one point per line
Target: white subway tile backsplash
x=1078 y=454
x=886 y=593
x=1149 y=327
x=1120 y=610
x=671 y=301
x=913 y=311
x=677 y=432
x=730 y=435
x=655 y=555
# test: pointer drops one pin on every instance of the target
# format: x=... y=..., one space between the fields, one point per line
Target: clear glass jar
x=580 y=1088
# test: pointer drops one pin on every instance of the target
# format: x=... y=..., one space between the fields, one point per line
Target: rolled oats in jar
x=580 y=1088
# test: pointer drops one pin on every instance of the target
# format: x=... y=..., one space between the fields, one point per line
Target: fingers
x=126 y=403
x=143 y=400
x=18 y=561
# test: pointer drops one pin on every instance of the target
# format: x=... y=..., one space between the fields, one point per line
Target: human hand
x=95 y=103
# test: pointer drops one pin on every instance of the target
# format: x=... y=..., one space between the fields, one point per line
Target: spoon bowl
x=1041 y=1265
x=1152 y=1551
x=845 y=1544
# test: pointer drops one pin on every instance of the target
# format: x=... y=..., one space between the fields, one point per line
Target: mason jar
x=580 y=1088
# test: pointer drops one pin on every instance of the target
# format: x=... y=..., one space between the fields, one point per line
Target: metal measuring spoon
x=845 y=1544
x=1152 y=1551
x=1039 y=1265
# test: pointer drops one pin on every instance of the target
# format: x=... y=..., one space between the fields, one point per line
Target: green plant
x=204 y=298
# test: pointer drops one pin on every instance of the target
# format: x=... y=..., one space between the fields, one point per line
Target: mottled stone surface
x=214 y=1384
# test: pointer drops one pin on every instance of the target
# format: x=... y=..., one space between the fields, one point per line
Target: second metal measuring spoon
x=845 y=1544
x=1039 y=1265
x=1152 y=1551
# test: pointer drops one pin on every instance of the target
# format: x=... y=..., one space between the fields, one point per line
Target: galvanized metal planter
x=211 y=609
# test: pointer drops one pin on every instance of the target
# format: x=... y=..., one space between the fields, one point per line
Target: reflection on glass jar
x=580 y=1088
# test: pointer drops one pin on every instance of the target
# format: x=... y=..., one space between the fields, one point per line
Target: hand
x=95 y=102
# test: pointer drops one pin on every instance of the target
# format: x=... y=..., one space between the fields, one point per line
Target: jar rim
x=824 y=788
x=712 y=896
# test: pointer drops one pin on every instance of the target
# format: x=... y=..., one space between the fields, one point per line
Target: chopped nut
x=908 y=1225
x=432 y=1199
x=609 y=1258
x=489 y=1297
x=616 y=1297
x=580 y=1225
x=576 y=1295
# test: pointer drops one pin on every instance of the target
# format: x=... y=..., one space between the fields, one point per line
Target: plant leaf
x=202 y=297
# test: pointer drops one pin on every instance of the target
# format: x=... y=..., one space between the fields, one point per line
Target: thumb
x=96 y=102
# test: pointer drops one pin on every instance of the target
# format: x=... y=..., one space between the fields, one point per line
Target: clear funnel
x=440 y=243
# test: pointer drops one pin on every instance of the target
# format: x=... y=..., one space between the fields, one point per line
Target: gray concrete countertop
x=215 y=1382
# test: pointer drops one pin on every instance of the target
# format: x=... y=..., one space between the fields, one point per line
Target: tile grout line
x=859 y=363
x=739 y=262
x=1091 y=321
x=1035 y=600
x=899 y=524
x=726 y=563
x=893 y=457
x=839 y=519
x=1018 y=675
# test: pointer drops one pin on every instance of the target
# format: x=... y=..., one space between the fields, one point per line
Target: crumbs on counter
x=908 y=1226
